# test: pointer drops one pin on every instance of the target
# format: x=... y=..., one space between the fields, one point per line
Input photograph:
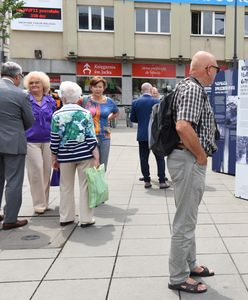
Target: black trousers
x=144 y=153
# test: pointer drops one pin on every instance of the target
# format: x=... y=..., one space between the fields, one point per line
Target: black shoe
x=141 y=179
x=66 y=223
x=87 y=224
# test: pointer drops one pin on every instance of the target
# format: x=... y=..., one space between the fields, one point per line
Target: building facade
x=127 y=42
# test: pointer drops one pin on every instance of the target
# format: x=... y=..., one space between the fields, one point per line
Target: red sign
x=187 y=68
x=154 y=70
x=99 y=69
x=54 y=78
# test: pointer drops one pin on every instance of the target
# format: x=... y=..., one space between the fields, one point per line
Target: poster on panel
x=223 y=99
x=40 y=15
x=241 y=181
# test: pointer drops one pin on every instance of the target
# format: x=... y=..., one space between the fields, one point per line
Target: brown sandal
x=187 y=287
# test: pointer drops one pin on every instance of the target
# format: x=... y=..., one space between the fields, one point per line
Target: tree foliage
x=8 y=11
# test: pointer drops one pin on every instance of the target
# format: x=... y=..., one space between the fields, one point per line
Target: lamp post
x=235 y=58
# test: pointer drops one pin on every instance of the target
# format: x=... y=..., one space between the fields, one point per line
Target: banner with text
x=241 y=182
x=40 y=15
x=223 y=99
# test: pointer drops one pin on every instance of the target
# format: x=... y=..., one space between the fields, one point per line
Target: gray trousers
x=189 y=183
x=11 y=171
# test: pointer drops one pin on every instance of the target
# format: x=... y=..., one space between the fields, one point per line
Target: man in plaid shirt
x=187 y=166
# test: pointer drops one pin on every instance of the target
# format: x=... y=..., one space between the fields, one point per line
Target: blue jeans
x=104 y=147
x=144 y=153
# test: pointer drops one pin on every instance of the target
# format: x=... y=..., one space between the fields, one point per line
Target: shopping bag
x=55 y=178
x=97 y=186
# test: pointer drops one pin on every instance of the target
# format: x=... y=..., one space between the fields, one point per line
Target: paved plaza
x=125 y=255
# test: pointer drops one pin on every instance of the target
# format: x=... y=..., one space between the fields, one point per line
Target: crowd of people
x=37 y=132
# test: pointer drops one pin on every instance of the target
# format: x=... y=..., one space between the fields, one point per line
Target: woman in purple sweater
x=38 y=159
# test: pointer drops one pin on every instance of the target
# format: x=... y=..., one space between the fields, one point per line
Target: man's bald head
x=202 y=67
x=146 y=88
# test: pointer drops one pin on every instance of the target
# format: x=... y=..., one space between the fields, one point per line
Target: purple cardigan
x=40 y=131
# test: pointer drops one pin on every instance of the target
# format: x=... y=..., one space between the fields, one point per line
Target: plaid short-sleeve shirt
x=191 y=104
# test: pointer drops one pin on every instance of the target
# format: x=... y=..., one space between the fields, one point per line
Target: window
x=207 y=22
x=152 y=20
x=246 y=24
x=96 y=18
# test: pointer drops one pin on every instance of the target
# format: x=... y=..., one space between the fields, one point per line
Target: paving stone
x=72 y=289
x=17 y=290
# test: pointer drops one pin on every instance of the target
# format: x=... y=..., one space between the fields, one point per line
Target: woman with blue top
x=38 y=159
x=74 y=148
x=103 y=110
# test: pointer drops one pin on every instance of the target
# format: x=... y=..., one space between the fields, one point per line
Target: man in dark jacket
x=15 y=117
x=140 y=113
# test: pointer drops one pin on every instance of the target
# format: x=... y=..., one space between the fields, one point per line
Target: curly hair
x=45 y=80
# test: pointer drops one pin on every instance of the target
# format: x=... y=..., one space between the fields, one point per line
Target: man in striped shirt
x=187 y=165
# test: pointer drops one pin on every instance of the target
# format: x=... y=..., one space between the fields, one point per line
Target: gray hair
x=70 y=92
x=146 y=88
x=11 y=69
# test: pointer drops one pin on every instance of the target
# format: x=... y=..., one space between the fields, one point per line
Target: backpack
x=162 y=134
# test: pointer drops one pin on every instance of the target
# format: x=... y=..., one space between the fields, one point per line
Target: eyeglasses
x=34 y=82
x=21 y=75
x=215 y=67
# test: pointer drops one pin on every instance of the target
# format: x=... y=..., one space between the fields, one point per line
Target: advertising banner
x=154 y=70
x=206 y=2
x=99 y=69
x=241 y=181
x=223 y=99
x=40 y=15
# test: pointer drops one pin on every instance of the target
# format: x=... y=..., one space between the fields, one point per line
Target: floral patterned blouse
x=72 y=134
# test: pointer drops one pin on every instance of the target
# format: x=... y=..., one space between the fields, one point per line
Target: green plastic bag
x=97 y=186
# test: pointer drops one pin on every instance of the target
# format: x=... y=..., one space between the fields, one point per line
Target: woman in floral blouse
x=74 y=147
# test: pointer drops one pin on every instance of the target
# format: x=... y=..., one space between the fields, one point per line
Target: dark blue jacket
x=140 y=113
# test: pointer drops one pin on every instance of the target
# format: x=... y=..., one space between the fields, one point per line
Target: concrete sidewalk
x=125 y=256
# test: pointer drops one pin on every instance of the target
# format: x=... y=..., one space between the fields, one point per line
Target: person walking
x=187 y=165
x=103 y=110
x=74 y=148
x=15 y=117
x=39 y=157
x=140 y=113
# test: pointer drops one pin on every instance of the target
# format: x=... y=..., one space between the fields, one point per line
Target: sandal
x=204 y=273
x=187 y=287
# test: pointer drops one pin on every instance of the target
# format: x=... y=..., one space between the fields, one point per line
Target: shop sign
x=206 y=2
x=40 y=15
x=154 y=70
x=99 y=69
x=54 y=78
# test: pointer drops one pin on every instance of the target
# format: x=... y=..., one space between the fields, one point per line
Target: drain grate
x=30 y=237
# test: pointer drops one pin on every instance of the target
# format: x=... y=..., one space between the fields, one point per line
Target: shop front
x=112 y=72
x=159 y=75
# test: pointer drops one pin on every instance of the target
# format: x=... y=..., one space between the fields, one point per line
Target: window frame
x=90 y=19
x=246 y=15
x=158 y=21
x=213 y=15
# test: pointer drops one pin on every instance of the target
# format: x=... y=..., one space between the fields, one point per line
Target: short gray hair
x=11 y=69
x=70 y=91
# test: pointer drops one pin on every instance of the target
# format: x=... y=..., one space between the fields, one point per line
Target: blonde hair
x=45 y=80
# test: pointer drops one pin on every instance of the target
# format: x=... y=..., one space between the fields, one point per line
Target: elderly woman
x=38 y=159
x=74 y=147
x=103 y=110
